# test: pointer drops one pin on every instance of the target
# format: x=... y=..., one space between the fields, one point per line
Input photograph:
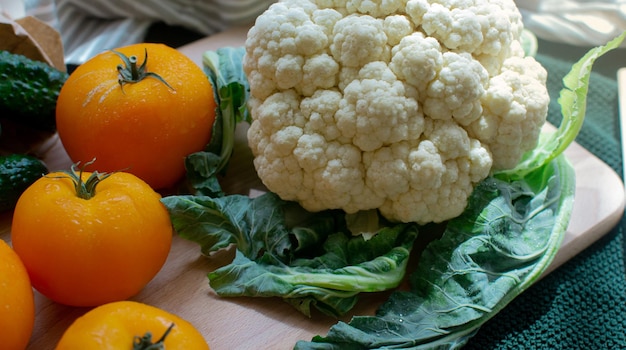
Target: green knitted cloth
x=581 y=305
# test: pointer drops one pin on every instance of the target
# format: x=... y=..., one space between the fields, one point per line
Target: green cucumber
x=29 y=90
x=17 y=172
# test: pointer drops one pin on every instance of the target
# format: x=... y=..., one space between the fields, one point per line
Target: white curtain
x=90 y=26
x=576 y=22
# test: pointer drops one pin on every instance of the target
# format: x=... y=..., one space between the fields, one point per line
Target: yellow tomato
x=86 y=245
x=17 y=305
x=122 y=325
x=146 y=116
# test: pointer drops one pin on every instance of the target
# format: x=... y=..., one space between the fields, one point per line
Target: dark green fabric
x=581 y=305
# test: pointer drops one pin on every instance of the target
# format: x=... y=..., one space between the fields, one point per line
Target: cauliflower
x=397 y=105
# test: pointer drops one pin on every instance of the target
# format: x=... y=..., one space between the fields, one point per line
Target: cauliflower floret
x=319 y=110
x=375 y=110
x=358 y=40
x=397 y=105
x=457 y=89
x=417 y=70
x=284 y=44
x=473 y=26
x=516 y=104
x=319 y=72
x=379 y=9
x=397 y=27
x=418 y=177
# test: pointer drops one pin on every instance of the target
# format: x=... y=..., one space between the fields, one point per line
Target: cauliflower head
x=397 y=105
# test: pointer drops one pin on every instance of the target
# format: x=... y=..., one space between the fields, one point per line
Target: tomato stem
x=129 y=73
x=145 y=342
x=85 y=189
x=134 y=71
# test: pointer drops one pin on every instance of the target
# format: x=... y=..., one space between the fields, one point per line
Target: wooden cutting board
x=182 y=287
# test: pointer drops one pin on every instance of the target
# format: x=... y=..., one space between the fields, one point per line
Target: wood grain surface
x=182 y=287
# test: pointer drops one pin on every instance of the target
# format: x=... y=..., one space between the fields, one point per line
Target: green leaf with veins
x=502 y=243
x=485 y=258
x=315 y=262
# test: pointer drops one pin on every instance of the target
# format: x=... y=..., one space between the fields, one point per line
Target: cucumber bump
x=29 y=90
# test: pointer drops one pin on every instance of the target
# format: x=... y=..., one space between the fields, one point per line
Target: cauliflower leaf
x=486 y=257
x=231 y=91
x=309 y=262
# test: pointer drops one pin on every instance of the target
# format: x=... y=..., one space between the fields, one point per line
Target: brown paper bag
x=32 y=38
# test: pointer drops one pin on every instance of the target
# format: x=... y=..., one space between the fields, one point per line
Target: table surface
x=182 y=287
